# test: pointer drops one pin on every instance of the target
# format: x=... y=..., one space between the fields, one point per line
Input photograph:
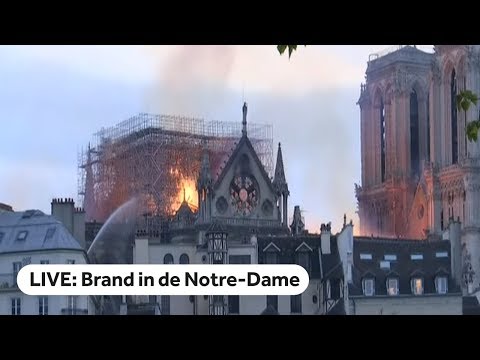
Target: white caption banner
x=162 y=279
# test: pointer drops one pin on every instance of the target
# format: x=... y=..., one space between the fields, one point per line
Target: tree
x=465 y=99
x=291 y=48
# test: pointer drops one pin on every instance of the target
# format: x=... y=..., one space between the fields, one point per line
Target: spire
x=89 y=198
x=279 y=181
x=184 y=197
x=244 y=121
x=205 y=176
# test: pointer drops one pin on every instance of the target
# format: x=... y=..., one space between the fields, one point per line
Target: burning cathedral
x=168 y=190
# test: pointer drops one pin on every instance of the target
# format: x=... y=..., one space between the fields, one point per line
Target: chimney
x=325 y=234
x=62 y=210
x=79 y=226
x=454 y=235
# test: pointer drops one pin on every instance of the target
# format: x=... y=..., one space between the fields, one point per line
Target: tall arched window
x=382 y=139
x=414 y=134
x=168 y=259
x=184 y=259
x=428 y=127
x=453 y=97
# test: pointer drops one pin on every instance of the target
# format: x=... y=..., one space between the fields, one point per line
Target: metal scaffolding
x=149 y=156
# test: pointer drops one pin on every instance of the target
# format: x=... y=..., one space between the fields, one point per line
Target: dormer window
x=271 y=257
x=392 y=286
x=22 y=235
x=368 y=286
x=365 y=256
x=303 y=259
x=441 y=284
x=417 y=286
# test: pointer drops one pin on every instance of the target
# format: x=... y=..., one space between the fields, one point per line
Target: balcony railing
x=74 y=311
x=8 y=281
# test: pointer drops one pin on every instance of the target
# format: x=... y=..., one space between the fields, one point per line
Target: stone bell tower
x=394 y=139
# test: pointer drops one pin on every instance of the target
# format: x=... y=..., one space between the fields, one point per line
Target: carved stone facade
x=419 y=171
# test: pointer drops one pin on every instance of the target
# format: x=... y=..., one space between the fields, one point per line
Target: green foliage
x=291 y=48
x=465 y=99
x=472 y=130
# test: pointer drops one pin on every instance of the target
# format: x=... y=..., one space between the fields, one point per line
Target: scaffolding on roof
x=152 y=155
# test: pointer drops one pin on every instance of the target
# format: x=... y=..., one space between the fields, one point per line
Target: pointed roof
x=244 y=141
x=205 y=176
x=279 y=181
x=244 y=120
x=269 y=310
x=184 y=209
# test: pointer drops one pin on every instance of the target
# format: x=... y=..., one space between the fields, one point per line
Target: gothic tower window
x=428 y=127
x=441 y=220
x=414 y=134
x=382 y=138
x=453 y=97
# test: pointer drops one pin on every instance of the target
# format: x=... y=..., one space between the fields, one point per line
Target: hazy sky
x=53 y=98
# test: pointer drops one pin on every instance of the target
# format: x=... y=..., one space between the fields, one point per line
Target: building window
x=390 y=258
x=303 y=259
x=50 y=233
x=271 y=257
x=43 y=305
x=369 y=287
x=328 y=290
x=44 y=262
x=441 y=254
x=168 y=259
x=22 y=235
x=385 y=265
x=441 y=284
x=335 y=289
x=71 y=303
x=416 y=257
x=296 y=304
x=184 y=259
x=17 y=265
x=453 y=98
x=414 y=135
x=234 y=304
x=428 y=127
x=273 y=301
x=70 y=261
x=16 y=306
x=441 y=220
x=382 y=139
x=417 y=286
x=165 y=303
x=365 y=256
x=392 y=286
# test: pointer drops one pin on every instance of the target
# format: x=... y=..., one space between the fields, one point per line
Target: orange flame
x=188 y=193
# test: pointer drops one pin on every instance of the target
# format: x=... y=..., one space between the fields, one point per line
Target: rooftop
x=402 y=259
x=32 y=230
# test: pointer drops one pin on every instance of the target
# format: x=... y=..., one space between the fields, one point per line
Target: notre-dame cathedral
x=419 y=171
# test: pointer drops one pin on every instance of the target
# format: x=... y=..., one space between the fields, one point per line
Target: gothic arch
x=420 y=86
x=378 y=96
x=447 y=68
x=388 y=94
